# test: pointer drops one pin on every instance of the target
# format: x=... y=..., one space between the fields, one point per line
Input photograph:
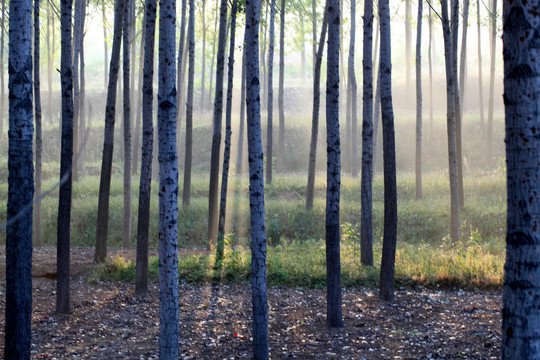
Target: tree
x=408 y=45
x=126 y=64
x=141 y=274
x=105 y=47
x=39 y=132
x=521 y=93
x=2 y=76
x=366 y=213
x=20 y=184
x=493 y=54
x=228 y=131
x=333 y=262
x=78 y=29
x=214 y=52
x=216 y=136
x=270 y=93
x=315 y=116
x=281 y=131
x=108 y=141
x=389 y=154
x=186 y=195
x=351 y=82
x=463 y=54
x=451 y=125
x=430 y=42
x=203 y=60
x=241 y=131
x=180 y=71
x=168 y=184
x=480 y=76
x=256 y=185
x=418 y=158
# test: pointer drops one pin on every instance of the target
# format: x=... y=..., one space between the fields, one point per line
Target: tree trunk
x=521 y=309
x=180 y=74
x=214 y=55
x=313 y=32
x=270 y=93
x=489 y=139
x=241 y=131
x=105 y=47
x=256 y=186
x=418 y=158
x=108 y=141
x=64 y=199
x=353 y=88
x=480 y=76
x=203 y=71
x=126 y=67
x=408 y=45
x=389 y=153
x=77 y=35
x=430 y=43
x=263 y=69
x=366 y=213
x=333 y=262
x=451 y=127
x=138 y=99
x=216 y=136
x=141 y=271
x=168 y=184
x=38 y=238
x=82 y=93
x=228 y=131
x=463 y=55
x=186 y=195
x=315 y=116
x=49 y=62
x=280 y=161
x=18 y=318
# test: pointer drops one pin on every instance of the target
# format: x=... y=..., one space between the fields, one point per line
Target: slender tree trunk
x=63 y=302
x=480 y=76
x=463 y=55
x=281 y=131
x=333 y=262
x=430 y=49
x=168 y=184
x=18 y=318
x=126 y=67
x=315 y=116
x=263 y=57
x=49 y=64
x=186 y=196
x=180 y=75
x=38 y=239
x=108 y=142
x=270 y=93
x=389 y=149
x=77 y=35
x=241 y=131
x=418 y=158
x=228 y=131
x=213 y=196
x=203 y=71
x=105 y=47
x=353 y=88
x=489 y=139
x=138 y=100
x=366 y=213
x=521 y=309
x=82 y=94
x=214 y=56
x=377 y=130
x=256 y=185
x=141 y=271
x=451 y=127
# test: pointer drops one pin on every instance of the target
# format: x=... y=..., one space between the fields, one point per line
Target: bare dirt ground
x=109 y=322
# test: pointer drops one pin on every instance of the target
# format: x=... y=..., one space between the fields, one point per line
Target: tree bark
x=18 y=318
x=168 y=184
x=216 y=136
x=82 y=93
x=180 y=74
x=38 y=238
x=228 y=131
x=366 y=213
x=64 y=199
x=186 y=195
x=493 y=28
x=353 y=89
x=108 y=141
x=463 y=55
x=389 y=153
x=333 y=262
x=521 y=309
x=256 y=185
x=451 y=127
x=270 y=93
x=203 y=60
x=241 y=131
x=138 y=100
x=141 y=271
x=77 y=35
x=418 y=157
x=281 y=131
x=315 y=116
x=214 y=55
x=126 y=69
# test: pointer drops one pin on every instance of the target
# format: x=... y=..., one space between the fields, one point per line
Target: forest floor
x=109 y=322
